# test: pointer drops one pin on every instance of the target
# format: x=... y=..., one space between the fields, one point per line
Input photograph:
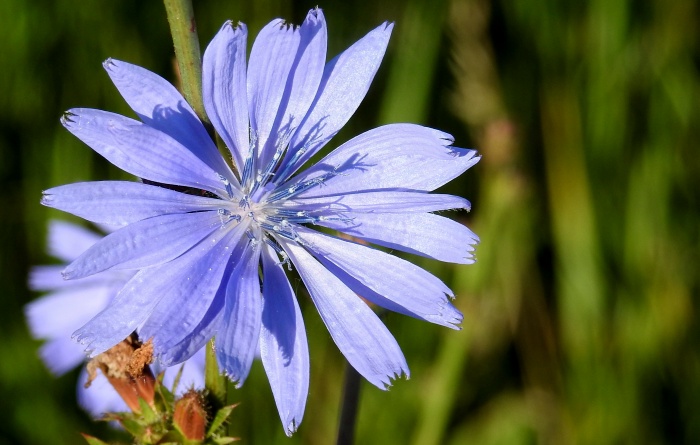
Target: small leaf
x=116 y=417
x=93 y=440
x=224 y=440
x=220 y=418
x=171 y=437
x=167 y=398
x=133 y=427
x=147 y=412
x=176 y=382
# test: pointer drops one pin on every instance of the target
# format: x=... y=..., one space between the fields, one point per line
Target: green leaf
x=166 y=398
x=220 y=418
x=133 y=426
x=224 y=440
x=93 y=440
x=172 y=437
x=148 y=414
x=176 y=382
x=214 y=381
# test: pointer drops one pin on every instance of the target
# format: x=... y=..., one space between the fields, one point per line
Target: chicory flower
x=211 y=242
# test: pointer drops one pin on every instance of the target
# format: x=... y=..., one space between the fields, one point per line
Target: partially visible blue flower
x=69 y=305
x=212 y=242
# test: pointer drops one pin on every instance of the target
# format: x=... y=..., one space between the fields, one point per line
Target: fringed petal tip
x=470 y=154
x=109 y=64
x=46 y=198
x=291 y=427
x=282 y=24
x=237 y=381
x=68 y=117
x=235 y=28
x=68 y=273
x=88 y=340
x=447 y=315
x=314 y=12
x=473 y=241
x=387 y=381
x=466 y=205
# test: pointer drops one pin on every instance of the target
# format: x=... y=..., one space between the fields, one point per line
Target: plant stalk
x=349 y=405
x=189 y=61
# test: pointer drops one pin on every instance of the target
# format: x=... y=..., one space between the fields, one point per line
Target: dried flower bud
x=126 y=367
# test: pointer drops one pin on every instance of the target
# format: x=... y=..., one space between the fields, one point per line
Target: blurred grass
x=580 y=319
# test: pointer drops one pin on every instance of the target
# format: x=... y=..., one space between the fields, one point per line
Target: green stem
x=189 y=61
x=349 y=405
x=187 y=52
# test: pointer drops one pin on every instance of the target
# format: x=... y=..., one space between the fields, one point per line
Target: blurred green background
x=580 y=323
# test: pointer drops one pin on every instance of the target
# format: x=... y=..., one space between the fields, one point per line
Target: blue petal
x=66 y=240
x=292 y=79
x=199 y=335
x=48 y=278
x=239 y=331
x=423 y=234
x=60 y=355
x=122 y=202
x=357 y=331
x=346 y=80
x=224 y=88
x=55 y=316
x=384 y=279
x=397 y=156
x=159 y=105
x=58 y=314
x=173 y=319
x=145 y=243
x=283 y=347
x=379 y=202
x=186 y=276
x=141 y=150
x=271 y=60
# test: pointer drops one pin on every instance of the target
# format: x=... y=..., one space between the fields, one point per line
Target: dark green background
x=580 y=315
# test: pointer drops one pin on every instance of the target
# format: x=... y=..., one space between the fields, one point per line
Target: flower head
x=69 y=305
x=211 y=242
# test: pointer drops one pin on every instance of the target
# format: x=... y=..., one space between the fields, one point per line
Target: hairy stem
x=189 y=60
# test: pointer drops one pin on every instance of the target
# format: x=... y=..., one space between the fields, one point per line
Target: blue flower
x=71 y=304
x=202 y=235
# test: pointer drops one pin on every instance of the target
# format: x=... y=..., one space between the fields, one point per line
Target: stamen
x=337 y=217
x=244 y=203
x=285 y=230
x=290 y=166
x=247 y=170
x=276 y=247
x=285 y=221
x=227 y=185
x=251 y=160
x=253 y=239
x=226 y=216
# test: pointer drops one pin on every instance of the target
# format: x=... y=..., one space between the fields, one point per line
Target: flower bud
x=190 y=416
x=126 y=367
